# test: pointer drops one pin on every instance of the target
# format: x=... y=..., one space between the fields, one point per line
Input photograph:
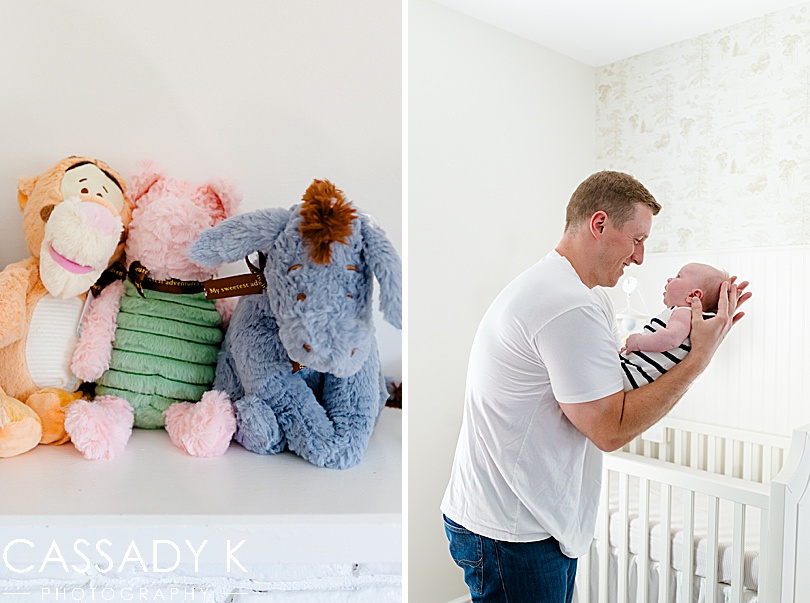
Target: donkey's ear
x=384 y=262
x=234 y=238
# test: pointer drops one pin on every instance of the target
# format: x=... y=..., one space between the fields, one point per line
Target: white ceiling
x=598 y=32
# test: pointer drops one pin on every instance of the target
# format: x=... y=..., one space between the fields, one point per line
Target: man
x=545 y=397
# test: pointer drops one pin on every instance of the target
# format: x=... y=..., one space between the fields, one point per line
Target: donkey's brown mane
x=326 y=217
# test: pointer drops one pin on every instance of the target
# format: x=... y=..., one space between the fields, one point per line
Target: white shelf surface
x=285 y=509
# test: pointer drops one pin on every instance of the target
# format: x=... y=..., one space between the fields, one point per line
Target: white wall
x=270 y=94
x=500 y=134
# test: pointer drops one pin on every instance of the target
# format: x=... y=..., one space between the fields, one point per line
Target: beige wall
x=500 y=134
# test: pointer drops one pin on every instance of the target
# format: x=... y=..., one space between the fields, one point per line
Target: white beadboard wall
x=758 y=380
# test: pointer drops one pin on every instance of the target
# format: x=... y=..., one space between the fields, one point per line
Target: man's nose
x=638 y=254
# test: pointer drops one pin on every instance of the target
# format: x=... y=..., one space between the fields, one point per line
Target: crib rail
x=734 y=475
x=733 y=489
x=654 y=473
x=722 y=450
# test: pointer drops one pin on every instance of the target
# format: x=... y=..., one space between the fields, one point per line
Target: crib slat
x=729 y=465
x=663 y=447
x=583 y=579
x=688 y=545
x=694 y=458
x=665 y=568
x=748 y=461
x=680 y=456
x=764 y=586
x=703 y=459
x=712 y=454
x=759 y=454
x=737 y=559
x=767 y=464
x=643 y=554
x=711 y=550
x=604 y=539
x=624 y=544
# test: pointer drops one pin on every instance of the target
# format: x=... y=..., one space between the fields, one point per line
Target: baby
x=665 y=340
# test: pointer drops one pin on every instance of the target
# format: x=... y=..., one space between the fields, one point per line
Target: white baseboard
x=464 y=599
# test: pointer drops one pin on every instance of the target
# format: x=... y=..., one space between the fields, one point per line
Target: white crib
x=741 y=498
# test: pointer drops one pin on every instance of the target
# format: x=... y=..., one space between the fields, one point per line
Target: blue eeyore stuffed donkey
x=300 y=362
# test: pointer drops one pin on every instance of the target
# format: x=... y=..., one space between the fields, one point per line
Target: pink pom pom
x=99 y=429
x=203 y=429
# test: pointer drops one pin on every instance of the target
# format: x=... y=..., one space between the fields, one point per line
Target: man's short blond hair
x=614 y=193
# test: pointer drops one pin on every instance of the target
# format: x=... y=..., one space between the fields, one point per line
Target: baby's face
x=679 y=290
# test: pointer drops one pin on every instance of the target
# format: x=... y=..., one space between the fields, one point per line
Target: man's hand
x=742 y=296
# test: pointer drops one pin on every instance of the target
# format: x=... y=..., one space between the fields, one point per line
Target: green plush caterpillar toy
x=150 y=343
x=165 y=351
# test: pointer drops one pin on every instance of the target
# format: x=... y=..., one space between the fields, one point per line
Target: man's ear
x=597 y=224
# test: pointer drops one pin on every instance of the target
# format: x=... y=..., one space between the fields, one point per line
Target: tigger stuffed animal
x=74 y=215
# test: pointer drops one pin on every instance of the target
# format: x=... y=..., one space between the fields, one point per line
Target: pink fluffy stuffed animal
x=150 y=343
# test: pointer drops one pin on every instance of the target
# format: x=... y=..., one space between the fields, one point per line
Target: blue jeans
x=511 y=572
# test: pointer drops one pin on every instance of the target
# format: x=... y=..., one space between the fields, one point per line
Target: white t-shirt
x=522 y=472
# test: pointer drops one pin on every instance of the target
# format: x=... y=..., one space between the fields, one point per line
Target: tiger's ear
x=25 y=186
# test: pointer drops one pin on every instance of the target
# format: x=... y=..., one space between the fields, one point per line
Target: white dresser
x=159 y=525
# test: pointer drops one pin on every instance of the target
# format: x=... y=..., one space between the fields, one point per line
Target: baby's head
x=699 y=280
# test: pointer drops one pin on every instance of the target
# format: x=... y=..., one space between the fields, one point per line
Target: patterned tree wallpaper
x=718 y=128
